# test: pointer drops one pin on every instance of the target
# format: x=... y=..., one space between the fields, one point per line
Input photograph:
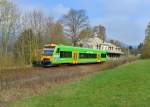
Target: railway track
x=22 y=83
x=25 y=82
x=12 y=78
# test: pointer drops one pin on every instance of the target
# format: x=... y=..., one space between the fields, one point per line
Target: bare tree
x=24 y=46
x=74 y=22
x=87 y=32
x=8 y=22
x=100 y=31
x=36 y=21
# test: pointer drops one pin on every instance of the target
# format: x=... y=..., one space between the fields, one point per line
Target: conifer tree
x=146 y=45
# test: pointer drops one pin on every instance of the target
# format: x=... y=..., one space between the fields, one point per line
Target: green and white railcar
x=58 y=54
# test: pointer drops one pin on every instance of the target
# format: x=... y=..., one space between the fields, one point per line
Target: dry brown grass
x=25 y=82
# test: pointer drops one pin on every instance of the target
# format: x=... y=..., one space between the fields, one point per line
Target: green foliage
x=140 y=46
x=25 y=46
x=120 y=87
x=146 y=46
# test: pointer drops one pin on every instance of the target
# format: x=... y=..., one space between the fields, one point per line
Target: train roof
x=78 y=48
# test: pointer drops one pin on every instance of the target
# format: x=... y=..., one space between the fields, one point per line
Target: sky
x=125 y=20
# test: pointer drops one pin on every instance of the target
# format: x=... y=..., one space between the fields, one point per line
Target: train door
x=98 y=57
x=75 y=57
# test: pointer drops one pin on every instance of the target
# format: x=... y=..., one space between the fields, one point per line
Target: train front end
x=47 y=55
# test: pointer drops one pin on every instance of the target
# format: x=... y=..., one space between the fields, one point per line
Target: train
x=53 y=54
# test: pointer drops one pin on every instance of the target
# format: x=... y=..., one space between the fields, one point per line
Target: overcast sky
x=125 y=20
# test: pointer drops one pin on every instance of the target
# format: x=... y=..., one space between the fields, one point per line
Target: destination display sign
x=49 y=48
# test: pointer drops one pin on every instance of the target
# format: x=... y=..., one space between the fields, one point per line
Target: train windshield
x=48 y=50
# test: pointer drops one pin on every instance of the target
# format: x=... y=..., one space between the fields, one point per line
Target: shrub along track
x=25 y=82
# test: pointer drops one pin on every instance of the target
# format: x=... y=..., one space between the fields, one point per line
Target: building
x=114 y=52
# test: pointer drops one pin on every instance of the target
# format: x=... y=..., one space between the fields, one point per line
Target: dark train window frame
x=58 y=50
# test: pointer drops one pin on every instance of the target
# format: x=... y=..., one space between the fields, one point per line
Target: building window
x=97 y=46
x=109 y=48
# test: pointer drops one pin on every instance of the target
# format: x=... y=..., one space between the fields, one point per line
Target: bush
x=114 y=63
x=8 y=61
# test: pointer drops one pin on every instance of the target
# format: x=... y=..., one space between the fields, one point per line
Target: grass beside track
x=124 y=86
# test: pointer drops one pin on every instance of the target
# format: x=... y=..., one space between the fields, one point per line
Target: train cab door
x=98 y=57
x=75 y=57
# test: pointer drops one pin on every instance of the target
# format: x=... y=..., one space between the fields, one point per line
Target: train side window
x=64 y=54
x=86 y=55
x=58 y=50
x=103 y=55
